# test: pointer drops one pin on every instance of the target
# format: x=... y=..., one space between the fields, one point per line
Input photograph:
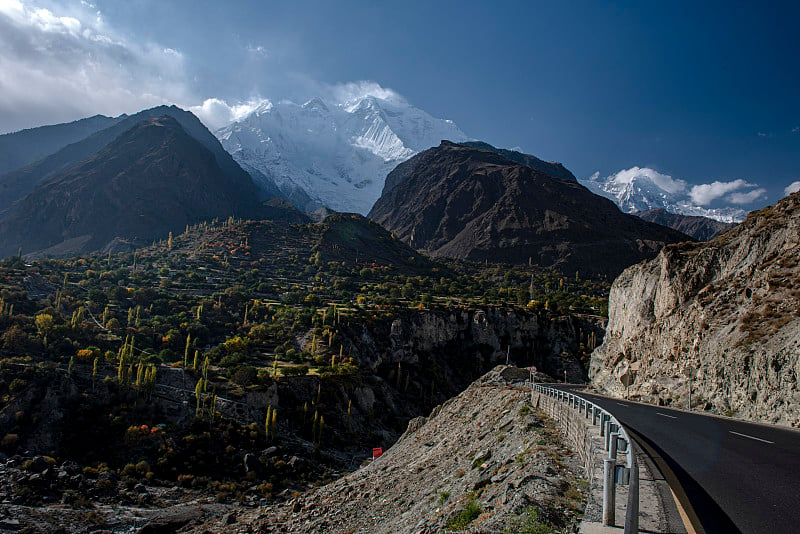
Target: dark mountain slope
x=554 y=169
x=464 y=202
x=700 y=228
x=18 y=149
x=153 y=179
x=17 y=184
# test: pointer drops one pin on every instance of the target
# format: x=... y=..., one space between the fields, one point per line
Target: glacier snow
x=331 y=154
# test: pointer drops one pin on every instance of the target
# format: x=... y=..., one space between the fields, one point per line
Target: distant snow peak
x=333 y=151
x=642 y=189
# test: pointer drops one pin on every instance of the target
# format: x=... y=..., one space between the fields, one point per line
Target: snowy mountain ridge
x=331 y=154
x=643 y=189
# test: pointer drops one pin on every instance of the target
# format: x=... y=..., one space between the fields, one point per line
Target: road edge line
x=688 y=515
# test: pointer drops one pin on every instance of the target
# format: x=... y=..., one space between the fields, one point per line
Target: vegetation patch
x=465 y=516
x=527 y=523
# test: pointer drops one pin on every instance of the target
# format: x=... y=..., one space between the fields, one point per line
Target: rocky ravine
x=728 y=309
x=486 y=446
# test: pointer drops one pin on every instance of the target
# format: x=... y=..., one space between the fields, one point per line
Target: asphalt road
x=737 y=476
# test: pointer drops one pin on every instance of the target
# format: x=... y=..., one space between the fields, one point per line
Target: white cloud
x=793 y=187
x=346 y=93
x=796 y=129
x=664 y=181
x=762 y=134
x=704 y=194
x=57 y=66
x=748 y=197
x=216 y=113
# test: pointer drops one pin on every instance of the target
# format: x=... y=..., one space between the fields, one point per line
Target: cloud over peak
x=705 y=194
x=347 y=93
x=664 y=181
x=216 y=113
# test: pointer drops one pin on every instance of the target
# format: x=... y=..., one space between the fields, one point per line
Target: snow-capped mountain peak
x=643 y=189
x=335 y=154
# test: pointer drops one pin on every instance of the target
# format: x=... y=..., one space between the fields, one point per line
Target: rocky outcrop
x=725 y=312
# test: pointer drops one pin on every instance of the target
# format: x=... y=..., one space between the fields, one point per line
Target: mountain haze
x=18 y=149
x=700 y=228
x=17 y=184
x=464 y=202
x=152 y=179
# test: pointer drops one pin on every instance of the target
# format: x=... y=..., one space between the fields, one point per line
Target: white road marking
x=665 y=415
x=751 y=437
x=621 y=404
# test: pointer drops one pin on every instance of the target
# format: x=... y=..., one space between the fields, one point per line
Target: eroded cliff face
x=414 y=360
x=727 y=312
x=409 y=362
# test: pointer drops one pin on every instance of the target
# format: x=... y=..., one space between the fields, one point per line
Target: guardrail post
x=595 y=414
x=632 y=510
x=612 y=445
x=609 y=492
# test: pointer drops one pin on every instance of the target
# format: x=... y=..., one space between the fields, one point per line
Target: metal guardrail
x=616 y=440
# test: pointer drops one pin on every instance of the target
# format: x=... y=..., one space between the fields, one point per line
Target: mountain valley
x=248 y=360
x=176 y=335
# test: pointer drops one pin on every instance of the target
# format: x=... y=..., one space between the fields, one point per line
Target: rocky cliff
x=725 y=312
x=413 y=361
x=408 y=364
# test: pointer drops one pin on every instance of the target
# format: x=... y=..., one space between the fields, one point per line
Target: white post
x=632 y=510
x=609 y=494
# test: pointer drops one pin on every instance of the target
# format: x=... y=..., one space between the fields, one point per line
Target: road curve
x=737 y=476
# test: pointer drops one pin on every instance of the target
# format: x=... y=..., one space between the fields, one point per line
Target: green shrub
x=466 y=516
x=295 y=370
x=527 y=523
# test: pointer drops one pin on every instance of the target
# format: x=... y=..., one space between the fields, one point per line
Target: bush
x=295 y=370
x=466 y=516
x=17 y=385
x=245 y=375
x=528 y=523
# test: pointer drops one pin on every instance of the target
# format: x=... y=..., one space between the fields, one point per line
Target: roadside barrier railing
x=616 y=441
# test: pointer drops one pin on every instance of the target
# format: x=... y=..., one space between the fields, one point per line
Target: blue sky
x=700 y=91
